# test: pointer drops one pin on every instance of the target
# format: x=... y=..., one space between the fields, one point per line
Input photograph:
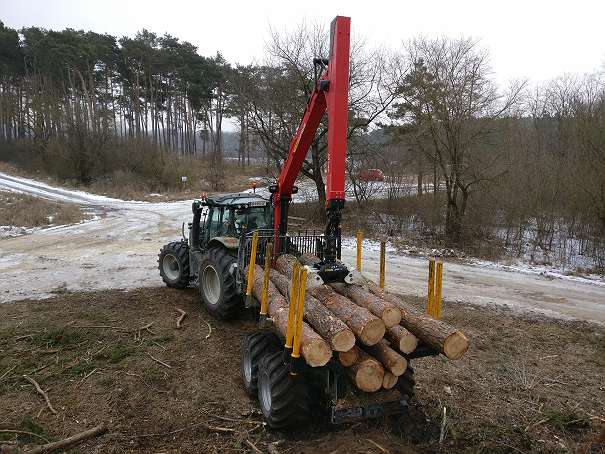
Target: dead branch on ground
x=180 y=319
x=41 y=392
x=159 y=362
x=70 y=441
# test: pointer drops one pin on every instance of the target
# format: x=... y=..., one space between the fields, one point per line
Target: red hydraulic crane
x=331 y=94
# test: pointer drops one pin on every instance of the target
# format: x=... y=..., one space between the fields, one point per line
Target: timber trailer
x=219 y=248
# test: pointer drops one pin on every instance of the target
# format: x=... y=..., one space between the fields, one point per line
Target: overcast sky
x=535 y=39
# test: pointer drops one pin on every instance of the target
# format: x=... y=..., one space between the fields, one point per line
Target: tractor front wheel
x=173 y=263
x=218 y=289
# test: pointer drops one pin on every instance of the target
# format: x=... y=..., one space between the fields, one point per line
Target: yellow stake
x=264 y=299
x=431 y=292
x=300 y=310
x=293 y=303
x=382 y=262
x=359 y=241
x=438 y=284
x=251 y=265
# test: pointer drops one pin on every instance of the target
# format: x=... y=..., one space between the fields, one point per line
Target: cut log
x=389 y=381
x=315 y=350
x=401 y=339
x=390 y=359
x=388 y=312
x=438 y=334
x=327 y=325
x=368 y=328
x=367 y=373
x=348 y=358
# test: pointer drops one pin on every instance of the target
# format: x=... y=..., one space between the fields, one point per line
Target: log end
x=317 y=353
x=398 y=367
x=348 y=358
x=456 y=345
x=408 y=343
x=372 y=332
x=369 y=378
x=391 y=317
x=389 y=381
x=343 y=341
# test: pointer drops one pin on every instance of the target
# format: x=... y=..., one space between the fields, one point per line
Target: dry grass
x=21 y=210
x=526 y=385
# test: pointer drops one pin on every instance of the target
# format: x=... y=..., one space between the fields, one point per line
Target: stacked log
x=331 y=328
x=370 y=330
x=314 y=349
x=440 y=335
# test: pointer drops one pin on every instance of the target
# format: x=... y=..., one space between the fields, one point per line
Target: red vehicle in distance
x=371 y=175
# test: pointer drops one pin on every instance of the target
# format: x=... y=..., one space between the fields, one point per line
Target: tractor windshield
x=253 y=218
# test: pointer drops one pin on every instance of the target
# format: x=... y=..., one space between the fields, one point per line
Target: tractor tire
x=173 y=263
x=217 y=286
x=406 y=382
x=284 y=399
x=255 y=347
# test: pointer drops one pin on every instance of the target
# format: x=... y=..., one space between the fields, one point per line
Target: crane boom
x=330 y=94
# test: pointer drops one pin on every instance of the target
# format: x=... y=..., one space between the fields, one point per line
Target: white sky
x=535 y=39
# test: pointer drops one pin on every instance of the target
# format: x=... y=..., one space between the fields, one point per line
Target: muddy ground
x=526 y=384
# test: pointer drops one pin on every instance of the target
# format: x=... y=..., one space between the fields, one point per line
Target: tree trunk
x=315 y=350
x=366 y=327
x=366 y=373
x=401 y=339
x=439 y=335
x=389 y=381
x=390 y=359
x=389 y=313
x=331 y=328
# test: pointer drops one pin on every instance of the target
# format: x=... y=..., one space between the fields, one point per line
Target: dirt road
x=118 y=249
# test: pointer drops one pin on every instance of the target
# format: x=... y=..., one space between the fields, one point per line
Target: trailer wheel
x=284 y=399
x=255 y=347
x=406 y=382
x=218 y=289
x=173 y=263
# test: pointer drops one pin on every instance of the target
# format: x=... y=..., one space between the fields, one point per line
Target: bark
x=367 y=328
x=366 y=373
x=388 y=312
x=438 y=334
x=390 y=359
x=328 y=326
x=315 y=350
x=401 y=339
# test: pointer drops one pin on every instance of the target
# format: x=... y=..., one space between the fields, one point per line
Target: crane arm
x=331 y=94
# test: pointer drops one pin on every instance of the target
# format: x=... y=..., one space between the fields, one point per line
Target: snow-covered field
x=118 y=249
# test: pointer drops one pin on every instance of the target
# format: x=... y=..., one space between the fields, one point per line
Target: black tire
x=255 y=347
x=173 y=263
x=284 y=399
x=217 y=286
x=406 y=382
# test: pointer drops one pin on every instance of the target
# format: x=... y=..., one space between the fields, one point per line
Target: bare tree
x=448 y=100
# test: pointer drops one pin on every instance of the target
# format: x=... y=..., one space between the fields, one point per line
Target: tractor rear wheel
x=218 y=289
x=173 y=263
x=255 y=347
x=284 y=399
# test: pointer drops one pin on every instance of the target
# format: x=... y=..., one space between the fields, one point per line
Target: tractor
x=219 y=248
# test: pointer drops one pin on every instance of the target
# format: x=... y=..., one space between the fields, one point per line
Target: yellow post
x=300 y=310
x=293 y=303
x=264 y=299
x=359 y=241
x=438 y=284
x=251 y=265
x=382 y=262
x=431 y=292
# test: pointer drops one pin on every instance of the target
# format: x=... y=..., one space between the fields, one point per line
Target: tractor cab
x=225 y=218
